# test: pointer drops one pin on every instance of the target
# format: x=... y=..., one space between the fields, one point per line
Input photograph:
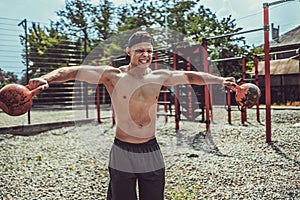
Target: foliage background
x=89 y=26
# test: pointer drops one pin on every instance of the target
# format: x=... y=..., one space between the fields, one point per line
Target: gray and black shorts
x=132 y=164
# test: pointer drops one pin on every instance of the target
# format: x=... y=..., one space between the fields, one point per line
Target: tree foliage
x=102 y=19
x=75 y=19
x=189 y=19
x=173 y=20
x=7 y=77
x=48 y=50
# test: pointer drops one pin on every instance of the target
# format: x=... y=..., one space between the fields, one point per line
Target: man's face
x=140 y=54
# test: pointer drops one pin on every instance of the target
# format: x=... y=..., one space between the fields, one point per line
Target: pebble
x=235 y=163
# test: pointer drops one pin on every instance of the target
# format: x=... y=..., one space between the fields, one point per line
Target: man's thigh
x=151 y=185
x=122 y=185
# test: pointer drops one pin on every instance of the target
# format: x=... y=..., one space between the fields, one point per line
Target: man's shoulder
x=123 y=68
x=112 y=70
x=161 y=72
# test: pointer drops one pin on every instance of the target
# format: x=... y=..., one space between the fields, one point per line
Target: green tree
x=92 y=23
x=103 y=25
x=139 y=14
x=7 y=78
x=102 y=19
x=75 y=19
x=48 y=50
x=228 y=47
x=188 y=20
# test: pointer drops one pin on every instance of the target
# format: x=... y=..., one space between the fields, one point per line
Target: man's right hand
x=229 y=81
x=37 y=85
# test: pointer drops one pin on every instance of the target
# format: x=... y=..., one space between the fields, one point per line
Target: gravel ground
x=234 y=162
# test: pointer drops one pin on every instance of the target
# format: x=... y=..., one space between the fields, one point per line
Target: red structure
x=206 y=91
x=207 y=96
x=267 y=72
x=256 y=83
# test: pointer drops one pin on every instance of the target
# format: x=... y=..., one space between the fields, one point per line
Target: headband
x=139 y=38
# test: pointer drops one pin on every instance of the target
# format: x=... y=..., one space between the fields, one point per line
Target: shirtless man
x=134 y=89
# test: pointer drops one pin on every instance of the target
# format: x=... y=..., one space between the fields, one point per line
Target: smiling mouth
x=144 y=61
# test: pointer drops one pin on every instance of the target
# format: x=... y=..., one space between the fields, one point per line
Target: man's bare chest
x=127 y=88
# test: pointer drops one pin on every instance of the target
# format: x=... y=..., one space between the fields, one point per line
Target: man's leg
x=152 y=185
x=122 y=185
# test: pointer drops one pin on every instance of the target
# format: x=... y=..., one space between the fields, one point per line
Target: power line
x=6 y=56
x=18 y=20
x=260 y=12
x=248 y=16
x=7 y=29
x=9 y=61
x=10 y=51
x=8 y=45
x=9 y=35
x=9 y=40
x=6 y=24
x=10 y=19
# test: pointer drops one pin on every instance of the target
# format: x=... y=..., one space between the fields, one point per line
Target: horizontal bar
x=232 y=34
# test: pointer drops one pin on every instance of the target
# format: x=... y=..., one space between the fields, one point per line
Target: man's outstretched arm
x=197 y=78
x=85 y=73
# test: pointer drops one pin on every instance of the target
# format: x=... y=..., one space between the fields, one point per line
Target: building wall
x=284 y=88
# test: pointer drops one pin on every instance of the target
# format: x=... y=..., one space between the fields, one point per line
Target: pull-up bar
x=233 y=34
x=267 y=59
x=278 y=2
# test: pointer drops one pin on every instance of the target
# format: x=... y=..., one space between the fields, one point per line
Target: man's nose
x=145 y=53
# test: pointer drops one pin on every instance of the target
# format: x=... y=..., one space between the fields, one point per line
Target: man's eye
x=139 y=51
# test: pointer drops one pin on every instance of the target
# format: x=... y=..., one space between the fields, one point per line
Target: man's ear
x=128 y=51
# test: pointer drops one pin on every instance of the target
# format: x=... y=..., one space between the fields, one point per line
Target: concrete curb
x=28 y=130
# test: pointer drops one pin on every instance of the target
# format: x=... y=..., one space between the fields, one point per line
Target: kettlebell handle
x=234 y=87
x=36 y=90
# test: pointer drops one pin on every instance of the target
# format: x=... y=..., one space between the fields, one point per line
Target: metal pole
x=233 y=34
x=256 y=83
x=244 y=109
x=85 y=85
x=267 y=72
x=278 y=2
x=189 y=92
x=210 y=68
x=98 y=103
x=228 y=105
x=206 y=91
x=267 y=66
x=299 y=74
x=176 y=103
x=165 y=103
x=24 y=25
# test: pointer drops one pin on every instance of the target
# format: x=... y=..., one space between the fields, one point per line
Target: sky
x=248 y=15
